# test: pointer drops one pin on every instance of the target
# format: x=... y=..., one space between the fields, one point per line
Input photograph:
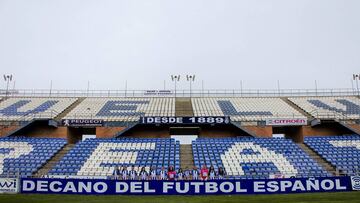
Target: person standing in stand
x=124 y=173
x=180 y=175
x=187 y=173
x=195 y=174
x=116 y=173
x=171 y=173
x=133 y=173
x=152 y=173
x=221 y=173
x=143 y=174
x=162 y=174
x=212 y=173
x=204 y=173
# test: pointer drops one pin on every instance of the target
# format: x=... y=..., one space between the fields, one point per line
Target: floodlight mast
x=356 y=77
x=190 y=78
x=7 y=79
x=175 y=79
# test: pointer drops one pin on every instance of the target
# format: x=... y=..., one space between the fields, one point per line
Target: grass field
x=348 y=197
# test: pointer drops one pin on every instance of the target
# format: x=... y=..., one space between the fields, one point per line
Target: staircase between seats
x=44 y=170
x=183 y=107
x=186 y=156
x=316 y=157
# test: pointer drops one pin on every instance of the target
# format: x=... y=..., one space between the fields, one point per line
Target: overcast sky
x=108 y=42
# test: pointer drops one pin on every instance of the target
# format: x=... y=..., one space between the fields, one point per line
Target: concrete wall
x=107 y=132
x=355 y=127
x=260 y=131
x=5 y=130
x=45 y=131
x=149 y=131
x=325 y=130
x=220 y=131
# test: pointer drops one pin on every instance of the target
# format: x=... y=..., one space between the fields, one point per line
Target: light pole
x=202 y=88
x=50 y=88
x=7 y=79
x=88 y=88
x=175 y=78
x=191 y=79
x=356 y=77
x=241 y=88
x=125 y=88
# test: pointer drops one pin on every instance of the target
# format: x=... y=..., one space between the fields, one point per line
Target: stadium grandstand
x=250 y=137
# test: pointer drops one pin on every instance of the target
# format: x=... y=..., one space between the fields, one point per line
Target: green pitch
x=348 y=197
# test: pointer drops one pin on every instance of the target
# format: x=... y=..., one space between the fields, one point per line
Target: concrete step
x=322 y=162
x=68 y=109
x=44 y=170
x=183 y=107
x=290 y=103
x=186 y=157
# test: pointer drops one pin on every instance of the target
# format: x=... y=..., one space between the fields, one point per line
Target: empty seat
x=22 y=156
x=101 y=156
x=330 y=107
x=255 y=157
x=244 y=109
x=343 y=152
x=28 y=108
x=122 y=109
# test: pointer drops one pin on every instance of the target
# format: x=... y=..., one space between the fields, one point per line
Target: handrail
x=180 y=93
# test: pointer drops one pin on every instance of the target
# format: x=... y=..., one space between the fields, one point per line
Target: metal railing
x=332 y=115
x=180 y=93
x=309 y=174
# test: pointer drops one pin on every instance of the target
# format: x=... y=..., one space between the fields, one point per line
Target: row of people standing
x=204 y=173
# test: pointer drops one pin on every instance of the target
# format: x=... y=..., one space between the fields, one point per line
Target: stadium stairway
x=54 y=160
x=6 y=127
x=238 y=125
x=316 y=157
x=351 y=125
x=128 y=127
x=68 y=109
x=296 y=107
x=186 y=156
x=183 y=107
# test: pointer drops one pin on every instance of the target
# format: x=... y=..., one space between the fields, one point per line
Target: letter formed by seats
x=107 y=150
x=121 y=108
x=282 y=164
x=13 y=109
x=16 y=149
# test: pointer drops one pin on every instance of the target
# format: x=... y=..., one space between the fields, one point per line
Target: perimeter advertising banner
x=215 y=187
x=355 y=182
x=9 y=185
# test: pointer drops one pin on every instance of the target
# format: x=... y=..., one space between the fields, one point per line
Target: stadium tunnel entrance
x=290 y=132
x=326 y=128
x=323 y=128
x=76 y=134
